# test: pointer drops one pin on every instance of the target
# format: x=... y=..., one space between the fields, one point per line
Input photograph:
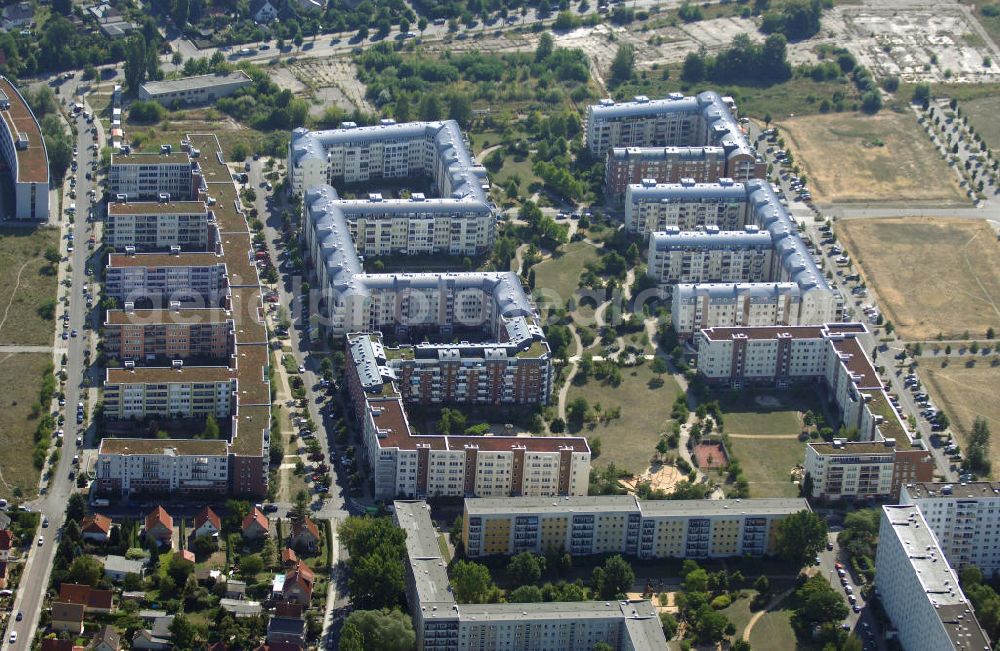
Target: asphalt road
x=58 y=487
x=862 y=624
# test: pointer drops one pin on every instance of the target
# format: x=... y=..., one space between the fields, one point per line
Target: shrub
x=722 y=601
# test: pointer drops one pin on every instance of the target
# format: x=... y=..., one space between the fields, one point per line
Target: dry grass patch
x=27 y=283
x=931 y=275
x=964 y=393
x=20 y=381
x=852 y=157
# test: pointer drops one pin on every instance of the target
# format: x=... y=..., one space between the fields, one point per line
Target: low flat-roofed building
x=441 y=623
x=188 y=91
x=23 y=149
x=919 y=590
x=623 y=524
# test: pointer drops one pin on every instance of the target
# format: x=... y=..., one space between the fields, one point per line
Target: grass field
x=558 y=278
x=24 y=288
x=629 y=441
x=772 y=418
x=965 y=393
x=954 y=288
x=982 y=114
x=20 y=381
x=774 y=631
x=883 y=157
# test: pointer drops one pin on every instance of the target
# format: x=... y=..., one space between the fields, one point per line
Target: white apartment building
x=23 y=150
x=623 y=524
x=152 y=226
x=724 y=305
x=158 y=277
x=459 y=222
x=441 y=623
x=859 y=470
x=151 y=466
x=829 y=354
x=709 y=256
x=688 y=206
x=152 y=176
x=965 y=519
x=918 y=588
x=182 y=392
x=404 y=464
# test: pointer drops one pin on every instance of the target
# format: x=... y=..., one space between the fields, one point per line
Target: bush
x=890 y=84
x=146 y=113
x=722 y=601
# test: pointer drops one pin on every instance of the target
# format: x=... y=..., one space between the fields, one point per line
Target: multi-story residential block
x=858 y=470
x=200 y=89
x=829 y=354
x=184 y=392
x=630 y=165
x=515 y=370
x=675 y=121
x=441 y=624
x=174 y=176
x=722 y=305
x=127 y=466
x=159 y=226
x=403 y=302
x=459 y=222
x=228 y=277
x=150 y=335
x=623 y=524
x=710 y=256
x=23 y=149
x=163 y=278
x=965 y=519
x=686 y=205
x=918 y=588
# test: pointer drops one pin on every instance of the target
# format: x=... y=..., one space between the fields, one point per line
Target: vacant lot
x=558 y=278
x=629 y=441
x=27 y=283
x=20 y=381
x=931 y=275
x=982 y=114
x=883 y=157
x=965 y=393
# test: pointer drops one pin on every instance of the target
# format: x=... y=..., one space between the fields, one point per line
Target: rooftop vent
x=164 y=197
x=129 y=364
x=22 y=140
x=166 y=149
x=175 y=249
x=177 y=363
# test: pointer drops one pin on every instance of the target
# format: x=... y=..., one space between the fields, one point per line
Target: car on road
x=20 y=616
x=302 y=369
x=72 y=333
x=13 y=637
x=41 y=540
x=45 y=523
x=856 y=608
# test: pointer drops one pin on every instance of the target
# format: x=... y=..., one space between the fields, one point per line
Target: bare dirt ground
x=931 y=275
x=883 y=157
x=330 y=81
x=660 y=477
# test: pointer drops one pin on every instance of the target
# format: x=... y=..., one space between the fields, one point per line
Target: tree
x=376 y=578
x=58 y=144
x=740 y=645
x=525 y=568
x=694 y=69
x=388 y=630
x=459 y=108
x=251 y=566
x=351 y=638
x=179 y=568
x=471 y=583
x=817 y=604
x=577 y=410
x=85 y=570
x=211 y=431
x=623 y=63
x=64 y=7
x=430 y=107
x=135 y=62
x=614 y=578
x=76 y=508
x=182 y=632
x=800 y=537
x=526 y=594
x=546 y=45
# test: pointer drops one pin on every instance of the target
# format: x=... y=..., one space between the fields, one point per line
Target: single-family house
x=305 y=535
x=286 y=630
x=241 y=607
x=255 y=525
x=288 y=609
x=236 y=589
x=262 y=11
x=6 y=544
x=67 y=617
x=92 y=599
x=18 y=15
x=185 y=554
x=96 y=528
x=289 y=558
x=117 y=568
x=55 y=644
x=155 y=638
x=160 y=526
x=298 y=585
x=207 y=523
x=106 y=639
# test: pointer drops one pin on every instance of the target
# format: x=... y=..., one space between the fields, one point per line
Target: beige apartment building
x=161 y=278
x=860 y=470
x=149 y=335
x=181 y=392
x=168 y=175
x=160 y=226
x=623 y=524
x=686 y=205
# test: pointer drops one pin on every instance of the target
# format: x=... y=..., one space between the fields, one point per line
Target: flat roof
x=191 y=83
x=967 y=490
x=159 y=260
x=251 y=373
x=251 y=422
x=180 y=316
x=428 y=568
x=247 y=308
x=33 y=161
x=855 y=359
x=565 y=505
x=151 y=158
x=167 y=375
x=540 y=505
x=856 y=447
x=772 y=332
x=186 y=447
x=157 y=208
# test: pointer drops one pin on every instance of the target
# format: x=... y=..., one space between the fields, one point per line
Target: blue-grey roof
x=672 y=238
x=726 y=190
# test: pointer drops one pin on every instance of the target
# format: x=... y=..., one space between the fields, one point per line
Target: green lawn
x=513 y=168
x=739 y=612
x=629 y=441
x=765 y=413
x=774 y=631
x=558 y=278
x=767 y=464
x=982 y=116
